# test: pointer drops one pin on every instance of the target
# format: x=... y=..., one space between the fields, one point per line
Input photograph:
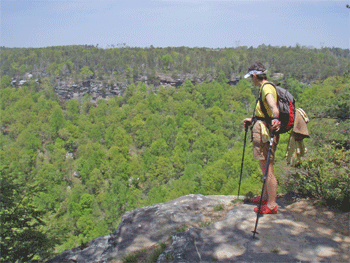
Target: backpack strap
x=262 y=106
x=268 y=119
x=254 y=118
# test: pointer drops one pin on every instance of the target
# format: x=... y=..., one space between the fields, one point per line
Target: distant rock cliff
x=97 y=90
x=199 y=228
x=70 y=90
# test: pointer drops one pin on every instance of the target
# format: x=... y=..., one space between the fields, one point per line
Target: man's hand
x=276 y=124
x=247 y=122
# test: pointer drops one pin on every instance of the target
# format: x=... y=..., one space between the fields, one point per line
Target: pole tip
x=254 y=232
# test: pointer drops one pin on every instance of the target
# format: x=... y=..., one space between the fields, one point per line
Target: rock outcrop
x=68 y=89
x=201 y=228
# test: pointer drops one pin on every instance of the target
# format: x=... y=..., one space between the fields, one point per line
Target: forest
x=71 y=169
x=128 y=64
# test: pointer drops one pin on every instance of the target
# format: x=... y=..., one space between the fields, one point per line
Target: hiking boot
x=256 y=200
x=266 y=210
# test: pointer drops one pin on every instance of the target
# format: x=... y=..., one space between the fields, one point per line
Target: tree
x=214 y=178
x=162 y=171
x=5 y=82
x=222 y=77
x=22 y=235
x=167 y=60
x=73 y=110
x=57 y=119
x=86 y=72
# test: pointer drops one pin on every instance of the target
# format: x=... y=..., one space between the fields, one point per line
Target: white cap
x=257 y=72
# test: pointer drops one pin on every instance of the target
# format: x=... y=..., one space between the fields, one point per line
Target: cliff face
x=199 y=228
x=97 y=90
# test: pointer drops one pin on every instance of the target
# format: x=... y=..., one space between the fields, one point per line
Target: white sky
x=206 y=23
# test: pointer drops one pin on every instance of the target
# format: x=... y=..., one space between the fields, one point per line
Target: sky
x=164 y=23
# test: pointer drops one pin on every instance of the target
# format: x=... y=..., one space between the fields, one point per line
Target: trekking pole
x=240 y=176
x=264 y=182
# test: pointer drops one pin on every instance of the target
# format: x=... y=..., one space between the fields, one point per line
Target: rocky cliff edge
x=197 y=228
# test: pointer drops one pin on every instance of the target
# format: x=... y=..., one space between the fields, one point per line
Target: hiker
x=261 y=131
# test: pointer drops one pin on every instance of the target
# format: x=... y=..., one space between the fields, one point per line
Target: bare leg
x=270 y=191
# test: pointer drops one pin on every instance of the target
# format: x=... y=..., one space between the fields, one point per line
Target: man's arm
x=270 y=99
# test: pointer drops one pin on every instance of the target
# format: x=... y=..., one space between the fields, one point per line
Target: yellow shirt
x=268 y=89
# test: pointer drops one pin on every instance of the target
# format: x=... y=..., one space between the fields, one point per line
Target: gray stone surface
x=282 y=237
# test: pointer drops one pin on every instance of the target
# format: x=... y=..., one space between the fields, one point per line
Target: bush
x=325 y=176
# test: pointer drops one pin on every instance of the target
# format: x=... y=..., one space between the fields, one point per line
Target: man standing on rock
x=261 y=131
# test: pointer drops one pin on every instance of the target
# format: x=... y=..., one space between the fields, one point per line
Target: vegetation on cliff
x=129 y=64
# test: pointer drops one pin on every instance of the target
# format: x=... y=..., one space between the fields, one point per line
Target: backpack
x=286 y=107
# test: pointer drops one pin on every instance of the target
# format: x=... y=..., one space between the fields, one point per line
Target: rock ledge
x=214 y=229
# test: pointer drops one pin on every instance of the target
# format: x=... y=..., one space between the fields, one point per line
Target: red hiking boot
x=266 y=210
x=256 y=200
